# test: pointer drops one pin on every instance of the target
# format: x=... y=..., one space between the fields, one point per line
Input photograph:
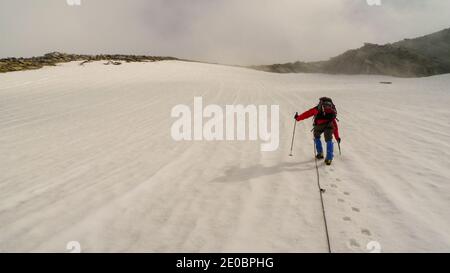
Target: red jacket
x=314 y=112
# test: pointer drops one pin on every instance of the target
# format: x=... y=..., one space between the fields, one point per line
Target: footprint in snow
x=338 y=180
x=346 y=193
x=354 y=243
x=365 y=231
x=347 y=219
x=334 y=186
x=355 y=209
x=341 y=200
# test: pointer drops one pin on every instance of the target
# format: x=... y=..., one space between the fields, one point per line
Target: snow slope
x=86 y=155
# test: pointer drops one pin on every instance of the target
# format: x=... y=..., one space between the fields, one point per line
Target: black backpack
x=327 y=110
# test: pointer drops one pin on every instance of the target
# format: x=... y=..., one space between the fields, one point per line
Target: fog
x=225 y=31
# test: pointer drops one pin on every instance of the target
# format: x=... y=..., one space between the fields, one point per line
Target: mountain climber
x=325 y=115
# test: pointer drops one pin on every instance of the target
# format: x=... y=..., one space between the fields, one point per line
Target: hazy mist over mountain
x=225 y=31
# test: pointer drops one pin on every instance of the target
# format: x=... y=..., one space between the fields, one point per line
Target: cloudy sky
x=225 y=31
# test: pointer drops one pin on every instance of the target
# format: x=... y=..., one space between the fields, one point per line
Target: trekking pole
x=293 y=135
x=339 y=145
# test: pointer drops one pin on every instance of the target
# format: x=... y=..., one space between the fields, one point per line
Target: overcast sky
x=225 y=31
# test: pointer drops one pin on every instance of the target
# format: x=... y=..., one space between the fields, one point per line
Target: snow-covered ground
x=86 y=155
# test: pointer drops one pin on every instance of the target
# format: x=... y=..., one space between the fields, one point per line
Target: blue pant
x=330 y=148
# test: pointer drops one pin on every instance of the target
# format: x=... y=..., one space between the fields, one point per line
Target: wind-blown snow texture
x=86 y=155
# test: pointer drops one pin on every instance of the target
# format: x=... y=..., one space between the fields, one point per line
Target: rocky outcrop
x=435 y=46
x=52 y=59
x=420 y=57
x=374 y=59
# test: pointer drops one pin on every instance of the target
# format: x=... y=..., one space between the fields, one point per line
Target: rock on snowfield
x=86 y=155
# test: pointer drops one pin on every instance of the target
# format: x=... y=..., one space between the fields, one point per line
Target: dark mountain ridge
x=420 y=57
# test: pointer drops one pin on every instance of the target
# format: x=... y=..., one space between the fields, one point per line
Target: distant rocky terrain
x=420 y=57
x=52 y=59
x=435 y=46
